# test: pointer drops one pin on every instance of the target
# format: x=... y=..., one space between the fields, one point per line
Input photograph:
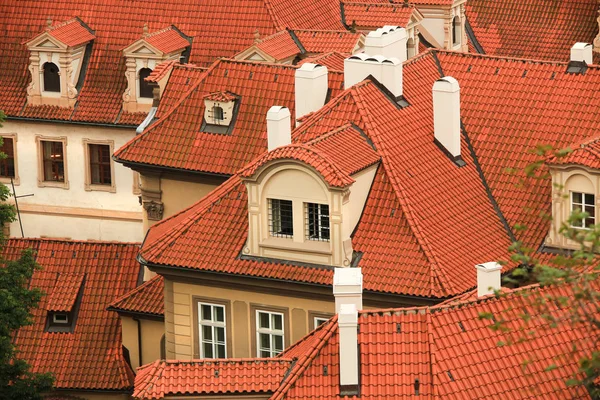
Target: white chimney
x=446 y=115
x=582 y=52
x=389 y=41
x=387 y=71
x=311 y=88
x=347 y=287
x=279 y=129
x=488 y=278
x=348 y=332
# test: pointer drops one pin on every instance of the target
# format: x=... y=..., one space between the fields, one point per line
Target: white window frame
x=271 y=332
x=320 y=215
x=583 y=204
x=214 y=325
x=316 y=320
x=60 y=321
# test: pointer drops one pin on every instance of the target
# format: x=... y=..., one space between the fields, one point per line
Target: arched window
x=51 y=78
x=218 y=113
x=456 y=33
x=145 y=87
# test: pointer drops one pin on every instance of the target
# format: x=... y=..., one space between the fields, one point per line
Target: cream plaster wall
x=74 y=212
x=178 y=195
x=152 y=332
x=179 y=306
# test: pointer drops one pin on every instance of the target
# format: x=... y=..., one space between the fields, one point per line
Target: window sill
x=288 y=244
x=100 y=188
x=51 y=184
x=6 y=180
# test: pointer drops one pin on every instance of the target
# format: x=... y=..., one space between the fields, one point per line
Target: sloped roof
x=167 y=40
x=444 y=351
x=315 y=41
x=229 y=376
x=175 y=140
x=334 y=61
x=375 y=14
x=65 y=291
x=148 y=298
x=222 y=34
x=280 y=45
x=586 y=154
x=91 y=357
x=72 y=32
x=534 y=29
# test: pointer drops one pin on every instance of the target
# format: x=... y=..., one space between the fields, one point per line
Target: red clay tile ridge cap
x=147 y=298
x=164 y=68
x=222 y=97
x=72 y=32
x=168 y=39
x=65 y=292
x=586 y=153
x=305 y=154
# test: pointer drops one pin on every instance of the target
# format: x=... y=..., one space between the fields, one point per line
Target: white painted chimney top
x=488 y=278
x=387 y=71
x=389 y=41
x=582 y=52
x=311 y=86
x=279 y=130
x=446 y=115
x=347 y=287
x=348 y=341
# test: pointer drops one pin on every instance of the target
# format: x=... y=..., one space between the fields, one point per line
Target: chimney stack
x=488 y=278
x=582 y=52
x=387 y=71
x=348 y=339
x=279 y=130
x=347 y=287
x=446 y=116
x=389 y=41
x=310 y=88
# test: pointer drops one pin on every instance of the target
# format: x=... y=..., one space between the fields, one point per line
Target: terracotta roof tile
x=91 y=357
x=220 y=96
x=280 y=45
x=326 y=41
x=223 y=34
x=181 y=79
x=334 y=61
x=168 y=378
x=586 y=154
x=534 y=29
x=65 y=292
x=167 y=40
x=72 y=32
x=176 y=141
x=377 y=13
x=148 y=298
x=161 y=70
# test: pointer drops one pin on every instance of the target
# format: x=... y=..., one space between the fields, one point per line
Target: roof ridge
x=211 y=361
x=75 y=241
x=399 y=190
x=331 y=133
x=273 y=15
x=327 y=31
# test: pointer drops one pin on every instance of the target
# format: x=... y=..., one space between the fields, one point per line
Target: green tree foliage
x=576 y=271
x=16 y=302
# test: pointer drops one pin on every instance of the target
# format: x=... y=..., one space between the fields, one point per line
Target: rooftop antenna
x=12 y=183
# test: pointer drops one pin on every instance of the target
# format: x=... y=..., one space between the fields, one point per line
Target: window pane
x=145 y=88
x=207 y=332
x=577 y=197
x=53 y=159
x=263 y=320
x=220 y=334
x=277 y=322
x=264 y=340
x=208 y=350
x=7 y=165
x=220 y=314
x=590 y=210
x=51 y=78
x=206 y=312
x=278 y=342
x=221 y=351
x=280 y=215
x=100 y=164
x=265 y=354
x=589 y=199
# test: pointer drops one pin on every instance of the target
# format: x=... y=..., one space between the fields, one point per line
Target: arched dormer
x=56 y=63
x=576 y=187
x=304 y=200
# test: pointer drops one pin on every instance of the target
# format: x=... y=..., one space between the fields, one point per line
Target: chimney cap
x=489 y=266
x=581 y=46
x=446 y=84
x=277 y=113
x=310 y=70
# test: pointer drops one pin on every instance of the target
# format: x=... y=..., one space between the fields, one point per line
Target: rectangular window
x=60 y=318
x=317 y=221
x=212 y=329
x=53 y=161
x=584 y=202
x=270 y=333
x=100 y=172
x=280 y=218
x=7 y=165
x=319 y=321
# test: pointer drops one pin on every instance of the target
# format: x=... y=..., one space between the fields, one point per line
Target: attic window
x=60 y=318
x=220 y=109
x=317 y=222
x=51 y=78
x=217 y=113
x=456 y=33
x=584 y=202
x=145 y=87
x=280 y=218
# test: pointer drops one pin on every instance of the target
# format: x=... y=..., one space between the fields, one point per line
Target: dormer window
x=456 y=31
x=56 y=63
x=219 y=111
x=63 y=302
x=281 y=222
x=317 y=222
x=142 y=57
x=51 y=78
x=60 y=318
x=217 y=114
x=145 y=89
x=584 y=202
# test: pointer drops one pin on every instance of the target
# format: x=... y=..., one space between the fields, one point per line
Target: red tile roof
x=148 y=298
x=534 y=29
x=91 y=357
x=72 y=32
x=280 y=45
x=160 y=71
x=167 y=40
x=448 y=349
x=180 y=81
x=223 y=34
x=376 y=14
x=220 y=96
x=586 y=154
x=175 y=140
x=334 y=61
x=65 y=291
x=326 y=41
x=230 y=376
